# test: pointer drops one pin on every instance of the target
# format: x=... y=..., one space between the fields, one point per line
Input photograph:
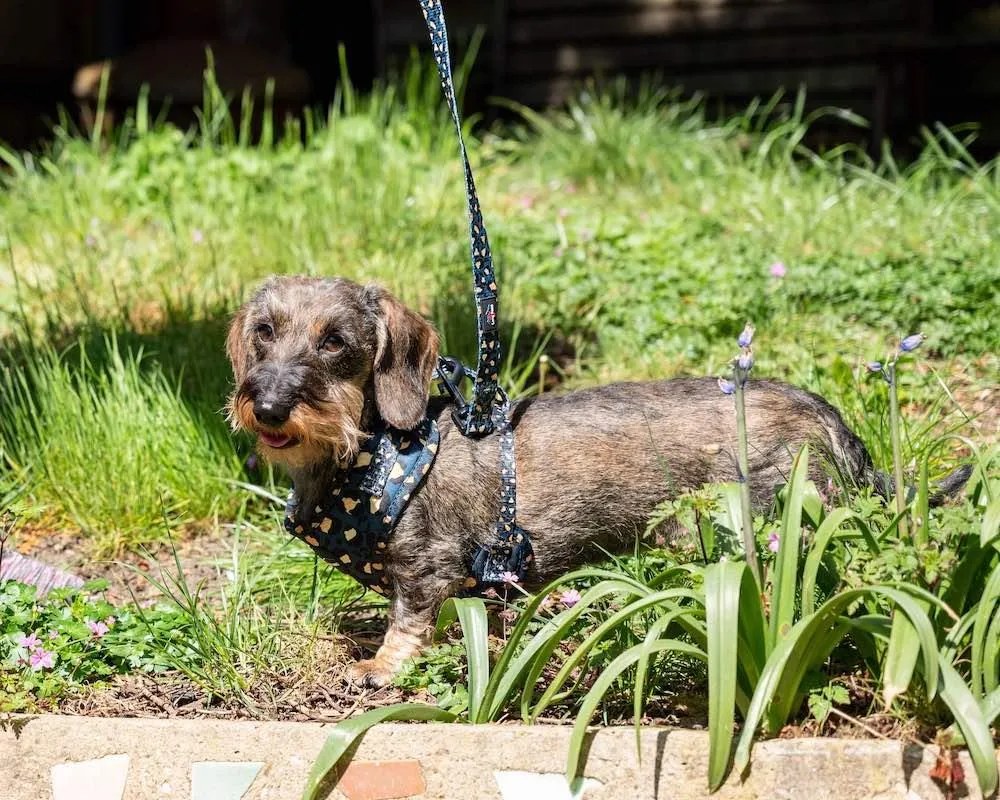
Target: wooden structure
x=900 y=63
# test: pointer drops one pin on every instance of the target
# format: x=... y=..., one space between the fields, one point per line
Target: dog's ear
x=405 y=357
x=236 y=347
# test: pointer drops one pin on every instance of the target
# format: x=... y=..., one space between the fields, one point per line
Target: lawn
x=634 y=237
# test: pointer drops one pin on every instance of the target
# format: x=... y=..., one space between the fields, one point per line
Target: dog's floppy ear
x=405 y=357
x=236 y=347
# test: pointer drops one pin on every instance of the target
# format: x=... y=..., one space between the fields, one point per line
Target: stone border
x=89 y=758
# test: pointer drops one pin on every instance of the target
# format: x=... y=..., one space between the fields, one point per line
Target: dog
x=319 y=363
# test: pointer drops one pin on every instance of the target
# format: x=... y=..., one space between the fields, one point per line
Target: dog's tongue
x=275 y=439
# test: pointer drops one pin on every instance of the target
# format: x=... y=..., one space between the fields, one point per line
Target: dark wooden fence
x=899 y=63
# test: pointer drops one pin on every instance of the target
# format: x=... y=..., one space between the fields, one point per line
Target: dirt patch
x=200 y=556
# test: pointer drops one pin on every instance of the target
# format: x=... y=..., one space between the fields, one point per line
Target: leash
x=475 y=417
x=488 y=409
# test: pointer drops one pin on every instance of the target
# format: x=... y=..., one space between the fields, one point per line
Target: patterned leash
x=487 y=411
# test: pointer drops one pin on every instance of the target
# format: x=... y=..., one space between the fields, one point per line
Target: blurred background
x=899 y=63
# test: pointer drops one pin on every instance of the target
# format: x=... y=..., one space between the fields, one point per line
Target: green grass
x=152 y=238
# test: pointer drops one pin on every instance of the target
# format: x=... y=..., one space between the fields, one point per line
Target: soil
x=127 y=575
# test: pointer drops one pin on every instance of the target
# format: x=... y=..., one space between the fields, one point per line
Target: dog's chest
x=351 y=524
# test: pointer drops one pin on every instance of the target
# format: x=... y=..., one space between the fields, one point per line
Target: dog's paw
x=371 y=673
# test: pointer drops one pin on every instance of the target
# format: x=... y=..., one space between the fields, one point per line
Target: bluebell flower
x=726 y=387
x=745 y=339
x=874 y=366
x=911 y=342
x=745 y=361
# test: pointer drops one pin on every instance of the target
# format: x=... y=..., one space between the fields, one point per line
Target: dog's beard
x=323 y=431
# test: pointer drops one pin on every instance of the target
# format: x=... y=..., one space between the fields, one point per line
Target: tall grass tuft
x=108 y=446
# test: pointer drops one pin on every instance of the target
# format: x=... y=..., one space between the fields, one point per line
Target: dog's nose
x=271 y=412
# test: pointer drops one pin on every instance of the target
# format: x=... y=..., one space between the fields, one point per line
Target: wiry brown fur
x=591 y=465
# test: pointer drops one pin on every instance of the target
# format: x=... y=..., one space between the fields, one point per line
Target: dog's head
x=315 y=358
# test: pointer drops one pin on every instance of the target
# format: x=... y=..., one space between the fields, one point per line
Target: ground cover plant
x=635 y=236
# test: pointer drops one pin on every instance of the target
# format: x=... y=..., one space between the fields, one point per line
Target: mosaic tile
x=518 y=785
x=222 y=780
x=382 y=780
x=98 y=779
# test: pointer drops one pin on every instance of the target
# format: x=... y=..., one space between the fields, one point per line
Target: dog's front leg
x=411 y=626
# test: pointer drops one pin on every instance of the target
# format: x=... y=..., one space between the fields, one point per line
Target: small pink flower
x=526 y=201
x=491 y=593
x=53 y=635
x=777 y=270
x=31 y=642
x=569 y=598
x=109 y=621
x=42 y=659
x=197 y=236
x=773 y=543
x=563 y=213
x=509 y=577
x=98 y=629
x=508 y=615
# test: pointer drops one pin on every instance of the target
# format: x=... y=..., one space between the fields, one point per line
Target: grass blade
x=347 y=735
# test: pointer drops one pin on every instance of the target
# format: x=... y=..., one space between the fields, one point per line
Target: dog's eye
x=332 y=343
x=264 y=332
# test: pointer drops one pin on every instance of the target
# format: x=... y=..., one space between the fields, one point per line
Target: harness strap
x=510 y=551
x=476 y=417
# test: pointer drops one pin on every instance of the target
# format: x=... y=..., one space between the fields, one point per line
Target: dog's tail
x=853 y=462
x=944 y=490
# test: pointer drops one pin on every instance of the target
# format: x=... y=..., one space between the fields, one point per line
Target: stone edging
x=85 y=758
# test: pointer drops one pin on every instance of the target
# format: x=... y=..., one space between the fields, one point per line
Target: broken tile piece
x=382 y=780
x=222 y=780
x=518 y=785
x=98 y=779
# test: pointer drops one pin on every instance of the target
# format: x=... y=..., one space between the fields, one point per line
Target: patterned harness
x=352 y=526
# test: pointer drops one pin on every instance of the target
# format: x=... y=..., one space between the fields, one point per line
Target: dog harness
x=352 y=526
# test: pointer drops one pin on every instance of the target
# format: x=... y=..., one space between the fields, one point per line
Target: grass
x=634 y=237
x=149 y=240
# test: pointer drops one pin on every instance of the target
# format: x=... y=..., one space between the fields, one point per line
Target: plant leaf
x=824 y=534
x=970 y=720
x=790 y=542
x=723 y=584
x=900 y=658
x=991 y=524
x=347 y=734
x=471 y=612
x=593 y=697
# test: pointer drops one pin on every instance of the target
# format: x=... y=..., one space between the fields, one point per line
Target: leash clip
x=450 y=373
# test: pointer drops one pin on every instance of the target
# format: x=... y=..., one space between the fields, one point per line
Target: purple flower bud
x=746 y=338
x=911 y=342
x=745 y=361
x=726 y=387
x=874 y=366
